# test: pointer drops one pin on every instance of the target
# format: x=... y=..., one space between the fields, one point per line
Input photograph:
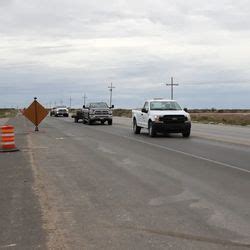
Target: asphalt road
x=102 y=187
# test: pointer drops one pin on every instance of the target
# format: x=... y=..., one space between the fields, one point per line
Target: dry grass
x=230 y=117
x=242 y=119
x=7 y=113
x=122 y=112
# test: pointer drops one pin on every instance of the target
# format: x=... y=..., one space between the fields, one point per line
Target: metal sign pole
x=36 y=120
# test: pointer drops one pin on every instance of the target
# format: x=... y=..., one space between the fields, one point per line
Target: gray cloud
x=81 y=46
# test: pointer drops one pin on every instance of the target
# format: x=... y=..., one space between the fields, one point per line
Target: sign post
x=35 y=113
x=36 y=123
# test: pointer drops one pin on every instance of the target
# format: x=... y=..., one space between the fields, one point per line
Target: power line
x=216 y=82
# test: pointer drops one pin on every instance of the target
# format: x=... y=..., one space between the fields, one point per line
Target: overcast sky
x=57 y=49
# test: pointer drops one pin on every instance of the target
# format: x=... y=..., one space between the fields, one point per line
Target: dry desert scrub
x=7 y=113
x=122 y=112
x=242 y=119
x=235 y=117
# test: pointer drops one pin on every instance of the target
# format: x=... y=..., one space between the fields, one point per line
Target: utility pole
x=84 y=99
x=172 y=84
x=70 y=102
x=111 y=87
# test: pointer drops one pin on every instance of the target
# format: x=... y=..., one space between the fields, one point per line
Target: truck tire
x=186 y=133
x=102 y=122
x=151 y=129
x=136 y=129
x=110 y=122
x=89 y=122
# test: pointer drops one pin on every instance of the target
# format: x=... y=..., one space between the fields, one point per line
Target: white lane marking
x=190 y=155
x=227 y=139
x=221 y=164
x=6 y=246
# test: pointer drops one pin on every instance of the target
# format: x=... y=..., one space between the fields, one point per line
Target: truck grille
x=173 y=119
x=101 y=112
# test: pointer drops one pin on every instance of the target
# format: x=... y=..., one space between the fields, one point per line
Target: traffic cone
x=7 y=137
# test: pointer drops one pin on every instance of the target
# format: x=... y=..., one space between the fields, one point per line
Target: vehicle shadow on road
x=163 y=135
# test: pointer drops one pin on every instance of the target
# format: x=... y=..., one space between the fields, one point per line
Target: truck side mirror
x=112 y=106
x=144 y=110
x=185 y=109
x=83 y=106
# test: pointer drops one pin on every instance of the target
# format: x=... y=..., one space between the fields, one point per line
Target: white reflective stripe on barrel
x=8 y=135
x=8 y=143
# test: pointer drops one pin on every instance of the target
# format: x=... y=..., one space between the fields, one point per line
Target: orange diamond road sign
x=35 y=113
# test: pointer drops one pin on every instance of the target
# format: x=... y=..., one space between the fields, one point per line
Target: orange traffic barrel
x=7 y=139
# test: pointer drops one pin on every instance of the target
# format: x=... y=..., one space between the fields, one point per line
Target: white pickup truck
x=161 y=115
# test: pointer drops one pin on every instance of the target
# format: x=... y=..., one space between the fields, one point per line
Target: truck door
x=85 y=112
x=144 y=116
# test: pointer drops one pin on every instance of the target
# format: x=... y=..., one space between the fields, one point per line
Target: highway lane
x=230 y=148
x=102 y=187
x=231 y=134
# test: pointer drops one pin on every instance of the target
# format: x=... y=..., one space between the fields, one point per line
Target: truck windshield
x=164 y=106
x=98 y=105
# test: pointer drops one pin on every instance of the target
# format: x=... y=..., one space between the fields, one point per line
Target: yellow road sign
x=35 y=113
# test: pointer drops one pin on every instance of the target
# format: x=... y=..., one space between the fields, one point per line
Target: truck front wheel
x=89 y=122
x=186 y=133
x=136 y=129
x=110 y=122
x=151 y=129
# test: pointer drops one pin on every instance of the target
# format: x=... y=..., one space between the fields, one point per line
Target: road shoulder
x=3 y=121
x=20 y=213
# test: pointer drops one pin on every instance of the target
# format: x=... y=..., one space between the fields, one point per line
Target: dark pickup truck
x=95 y=111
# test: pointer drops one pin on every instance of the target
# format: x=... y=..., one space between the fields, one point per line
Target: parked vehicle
x=162 y=115
x=59 y=111
x=97 y=111
x=78 y=115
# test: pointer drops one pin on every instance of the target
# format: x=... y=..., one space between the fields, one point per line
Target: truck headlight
x=188 y=117
x=157 y=118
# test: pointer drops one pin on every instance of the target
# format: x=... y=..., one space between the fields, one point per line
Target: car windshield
x=98 y=105
x=164 y=105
